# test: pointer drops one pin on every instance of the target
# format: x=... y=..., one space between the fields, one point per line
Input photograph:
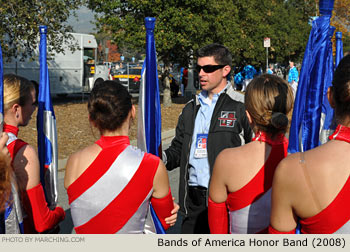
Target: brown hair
x=269 y=100
x=109 y=105
x=16 y=90
x=220 y=53
x=341 y=88
x=5 y=180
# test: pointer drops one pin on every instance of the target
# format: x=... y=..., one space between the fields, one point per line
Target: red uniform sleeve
x=43 y=217
x=163 y=207
x=217 y=217
x=275 y=231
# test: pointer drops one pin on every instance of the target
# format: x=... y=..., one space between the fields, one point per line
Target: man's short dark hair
x=220 y=53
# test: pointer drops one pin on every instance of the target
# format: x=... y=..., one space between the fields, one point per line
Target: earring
x=17 y=115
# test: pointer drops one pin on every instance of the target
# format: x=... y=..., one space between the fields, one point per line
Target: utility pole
x=267 y=44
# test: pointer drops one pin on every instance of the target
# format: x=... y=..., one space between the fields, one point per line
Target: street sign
x=267 y=42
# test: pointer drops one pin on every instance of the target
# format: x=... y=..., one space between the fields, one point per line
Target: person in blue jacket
x=249 y=73
x=293 y=77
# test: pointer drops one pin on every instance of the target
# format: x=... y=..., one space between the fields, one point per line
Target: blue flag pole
x=339 y=48
x=1 y=91
x=152 y=104
x=2 y=215
x=312 y=115
x=46 y=125
x=312 y=111
x=149 y=137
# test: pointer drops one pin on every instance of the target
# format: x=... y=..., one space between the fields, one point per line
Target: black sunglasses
x=209 y=68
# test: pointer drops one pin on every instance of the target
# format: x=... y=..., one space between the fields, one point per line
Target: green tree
x=281 y=21
x=182 y=27
x=20 y=20
x=341 y=21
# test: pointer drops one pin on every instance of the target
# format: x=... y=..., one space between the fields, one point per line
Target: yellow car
x=131 y=79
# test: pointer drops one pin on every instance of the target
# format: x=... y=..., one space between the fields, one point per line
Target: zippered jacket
x=229 y=127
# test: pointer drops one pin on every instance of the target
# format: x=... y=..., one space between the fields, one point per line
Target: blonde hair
x=269 y=100
x=16 y=90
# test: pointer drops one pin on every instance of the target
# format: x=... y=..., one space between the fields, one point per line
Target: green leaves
x=185 y=26
x=20 y=20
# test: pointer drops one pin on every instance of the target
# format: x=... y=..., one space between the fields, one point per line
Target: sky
x=83 y=24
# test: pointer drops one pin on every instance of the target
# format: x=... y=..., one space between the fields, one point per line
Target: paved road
x=66 y=226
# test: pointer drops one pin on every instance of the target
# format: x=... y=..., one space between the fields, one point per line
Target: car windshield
x=136 y=71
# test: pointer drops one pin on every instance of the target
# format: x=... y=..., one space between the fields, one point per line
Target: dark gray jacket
x=223 y=133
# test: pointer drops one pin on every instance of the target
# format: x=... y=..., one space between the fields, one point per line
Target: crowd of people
x=231 y=149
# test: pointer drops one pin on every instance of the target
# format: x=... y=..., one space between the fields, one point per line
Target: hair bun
x=279 y=120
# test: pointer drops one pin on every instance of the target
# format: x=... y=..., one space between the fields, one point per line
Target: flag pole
x=339 y=48
x=312 y=114
x=149 y=116
x=1 y=92
x=46 y=126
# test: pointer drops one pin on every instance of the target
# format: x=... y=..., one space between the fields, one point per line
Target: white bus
x=69 y=72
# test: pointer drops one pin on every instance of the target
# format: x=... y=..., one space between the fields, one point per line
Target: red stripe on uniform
x=15 y=146
x=91 y=175
x=122 y=208
x=333 y=217
x=260 y=184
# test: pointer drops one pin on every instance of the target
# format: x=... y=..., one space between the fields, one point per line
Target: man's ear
x=226 y=70
x=330 y=97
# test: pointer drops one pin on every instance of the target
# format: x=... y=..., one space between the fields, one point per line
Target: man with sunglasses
x=212 y=121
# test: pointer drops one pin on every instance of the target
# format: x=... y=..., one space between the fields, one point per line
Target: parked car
x=131 y=79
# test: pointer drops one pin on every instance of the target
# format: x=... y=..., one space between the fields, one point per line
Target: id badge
x=201 y=146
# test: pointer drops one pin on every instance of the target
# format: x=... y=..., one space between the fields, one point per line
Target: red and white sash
x=250 y=207
x=113 y=194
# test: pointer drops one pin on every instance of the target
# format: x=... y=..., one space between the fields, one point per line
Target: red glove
x=217 y=217
x=163 y=208
x=275 y=231
x=43 y=217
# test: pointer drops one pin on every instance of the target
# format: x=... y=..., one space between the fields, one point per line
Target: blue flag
x=312 y=115
x=1 y=91
x=149 y=138
x=339 y=48
x=46 y=125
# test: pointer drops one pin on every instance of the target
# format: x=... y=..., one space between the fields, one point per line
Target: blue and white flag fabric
x=11 y=220
x=339 y=48
x=149 y=137
x=312 y=115
x=46 y=125
x=1 y=92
